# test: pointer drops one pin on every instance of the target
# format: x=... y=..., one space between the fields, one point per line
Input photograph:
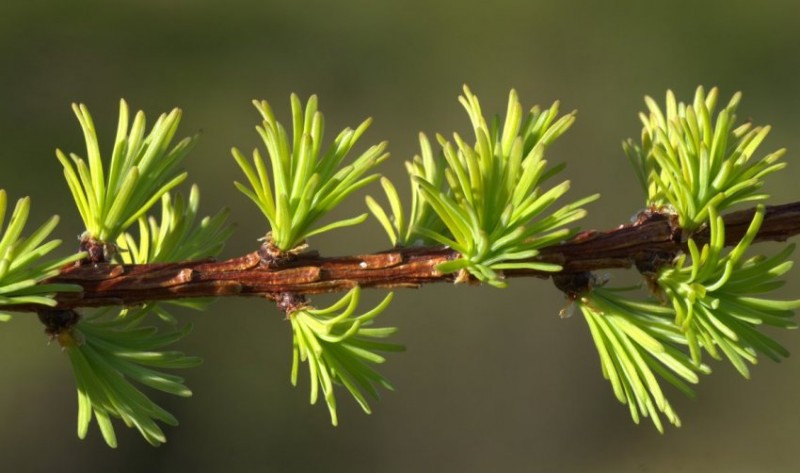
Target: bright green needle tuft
x=304 y=182
x=494 y=211
x=689 y=162
x=22 y=268
x=339 y=349
x=108 y=356
x=719 y=298
x=637 y=341
x=112 y=195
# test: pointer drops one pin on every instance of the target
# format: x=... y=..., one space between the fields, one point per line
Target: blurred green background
x=492 y=380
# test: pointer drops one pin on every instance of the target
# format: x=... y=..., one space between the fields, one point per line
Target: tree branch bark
x=653 y=239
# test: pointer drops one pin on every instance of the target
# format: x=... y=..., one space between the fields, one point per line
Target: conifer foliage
x=493 y=199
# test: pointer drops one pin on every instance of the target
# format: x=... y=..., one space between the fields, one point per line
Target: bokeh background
x=492 y=380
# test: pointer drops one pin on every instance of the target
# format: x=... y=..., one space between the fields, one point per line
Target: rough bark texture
x=650 y=241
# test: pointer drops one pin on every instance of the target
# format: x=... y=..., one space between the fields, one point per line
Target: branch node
x=289 y=302
x=58 y=325
x=96 y=251
x=574 y=285
x=273 y=257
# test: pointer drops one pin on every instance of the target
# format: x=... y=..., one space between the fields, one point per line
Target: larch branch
x=652 y=237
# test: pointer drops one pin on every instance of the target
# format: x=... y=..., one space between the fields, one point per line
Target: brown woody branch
x=644 y=244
